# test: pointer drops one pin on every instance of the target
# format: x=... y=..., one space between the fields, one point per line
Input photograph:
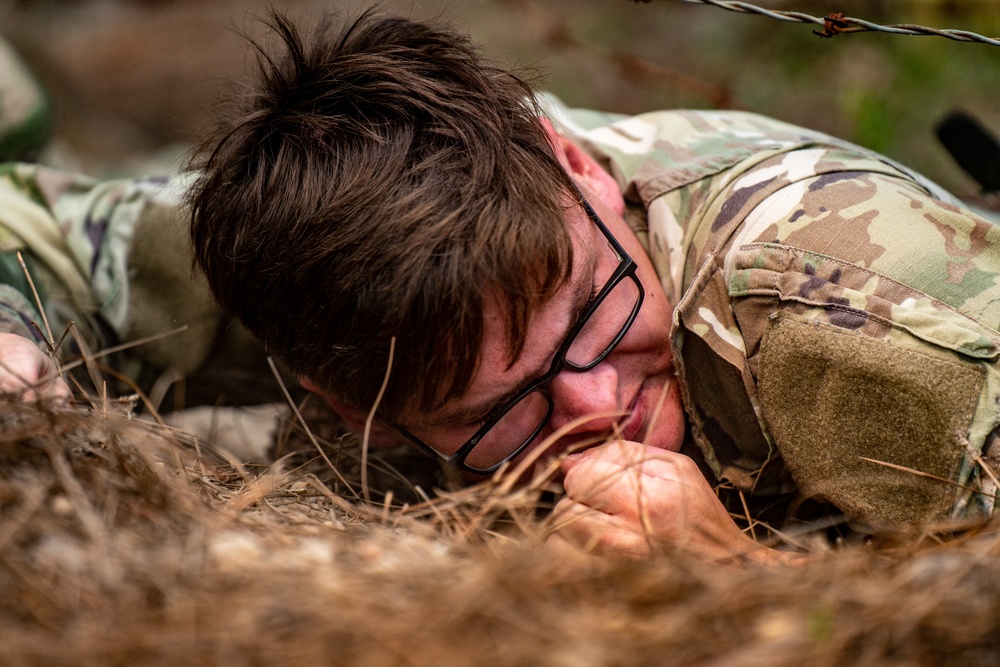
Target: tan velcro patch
x=166 y=293
x=831 y=396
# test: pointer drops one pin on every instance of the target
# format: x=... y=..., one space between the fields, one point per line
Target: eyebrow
x=583 y=288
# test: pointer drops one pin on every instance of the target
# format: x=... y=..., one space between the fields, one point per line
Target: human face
x=617 y=389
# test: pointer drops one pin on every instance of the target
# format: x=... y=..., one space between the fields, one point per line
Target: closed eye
x=595 y=289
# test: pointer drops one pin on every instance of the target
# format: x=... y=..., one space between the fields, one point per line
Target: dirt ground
x=118 y=546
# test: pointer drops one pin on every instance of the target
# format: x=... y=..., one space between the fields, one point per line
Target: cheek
x=656 y=314
x=668 y=430
x=650 y=333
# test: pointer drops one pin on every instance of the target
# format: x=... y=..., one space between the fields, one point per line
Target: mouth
x=645 y=409
x=632 y=427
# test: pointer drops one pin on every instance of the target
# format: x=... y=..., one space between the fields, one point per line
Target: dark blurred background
x=132 y=80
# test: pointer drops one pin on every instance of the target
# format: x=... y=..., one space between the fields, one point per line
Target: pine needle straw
x=118 y=547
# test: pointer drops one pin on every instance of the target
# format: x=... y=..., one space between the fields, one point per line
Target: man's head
x=381 y=182
x=387 y=182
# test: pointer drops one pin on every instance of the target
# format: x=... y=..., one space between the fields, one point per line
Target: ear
x=379 y=435
x=585 y=170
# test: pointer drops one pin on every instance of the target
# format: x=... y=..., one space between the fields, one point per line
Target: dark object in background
x=973 y=147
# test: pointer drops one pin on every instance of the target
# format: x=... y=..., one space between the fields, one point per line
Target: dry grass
x=124 y=543
x=119 y=545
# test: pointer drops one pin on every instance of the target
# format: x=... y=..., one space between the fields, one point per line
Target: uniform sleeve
x=854 y=317
x=112 y=256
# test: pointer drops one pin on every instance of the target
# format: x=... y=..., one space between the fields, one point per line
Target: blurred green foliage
x=121 y=82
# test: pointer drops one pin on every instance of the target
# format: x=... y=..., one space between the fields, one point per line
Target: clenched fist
x=629 y=499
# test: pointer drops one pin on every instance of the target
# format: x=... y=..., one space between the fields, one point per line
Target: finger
x=571 y=517
x=638 y=457
x=624 y=452
x=596 y=532
x=597 y=484
x=613 y=542
x=28 y=372
x=51 y=383
x=53 y=388
x=605 y=515
x=617 y=489
x=18 y=370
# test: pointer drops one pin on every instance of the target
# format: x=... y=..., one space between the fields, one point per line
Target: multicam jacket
x=113 y=257
x=837 y=315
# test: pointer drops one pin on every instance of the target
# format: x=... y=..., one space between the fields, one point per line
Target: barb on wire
x=837 y=23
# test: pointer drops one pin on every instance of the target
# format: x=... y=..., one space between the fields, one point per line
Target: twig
x=119 y=348
x=982 y=464
x=305 y=426
x=45 y=320
x=371 y=418
x=920 y=474
x=50 y=340
x=507 y=478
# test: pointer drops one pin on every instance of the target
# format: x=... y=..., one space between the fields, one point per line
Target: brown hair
x=381 y=182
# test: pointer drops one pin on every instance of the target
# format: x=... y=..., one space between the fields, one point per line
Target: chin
x=668 y=430
x=667 y=436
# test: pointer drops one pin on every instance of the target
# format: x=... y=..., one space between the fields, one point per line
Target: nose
x=591 y=393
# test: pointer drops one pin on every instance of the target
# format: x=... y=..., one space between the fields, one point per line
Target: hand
x=629 y=499
x=29 y=372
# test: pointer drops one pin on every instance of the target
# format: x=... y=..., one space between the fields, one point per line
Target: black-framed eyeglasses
x=600 y=328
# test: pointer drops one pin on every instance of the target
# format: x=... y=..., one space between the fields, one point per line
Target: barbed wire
x=836 y=23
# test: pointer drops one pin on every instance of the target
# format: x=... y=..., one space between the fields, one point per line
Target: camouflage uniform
x=100 y=250
x=114 y=257
x=111 y=256
x=837 y=315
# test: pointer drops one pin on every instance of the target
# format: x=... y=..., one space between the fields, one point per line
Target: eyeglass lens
x=603 y=326
x=525 y=419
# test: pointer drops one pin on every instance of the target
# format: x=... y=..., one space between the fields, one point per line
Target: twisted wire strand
x=834 y=24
